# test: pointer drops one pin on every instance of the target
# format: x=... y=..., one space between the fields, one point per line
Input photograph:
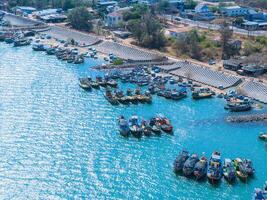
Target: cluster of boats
x=261 y=194
x=18 y=39
x=135 y=97
x=137 y=128
x=214 y=168
x=69 y=55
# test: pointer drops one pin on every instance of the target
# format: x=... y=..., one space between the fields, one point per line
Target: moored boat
x=123 y=126
x=215 y=172
x=111 y=98
x=135 y=127
x=85 y=84
x=200 y=169
x=263 y=136
x=189 y=165
x=21 y=42
x=147 y=130
x=229 y=171
x=180 y=160
x=202 y=93
x=240 y=169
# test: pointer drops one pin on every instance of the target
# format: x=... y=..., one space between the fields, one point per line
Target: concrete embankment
x=247 y=118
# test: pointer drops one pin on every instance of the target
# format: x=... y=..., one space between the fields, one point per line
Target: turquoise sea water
x=60 y=142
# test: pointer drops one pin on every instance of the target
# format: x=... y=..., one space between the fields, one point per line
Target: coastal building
x=234 y=11
x=104 y=4
x=202 y=12
x=252 y=70
x=232 y=64
x=40 y=14
x=23 y=10
x=114 y=19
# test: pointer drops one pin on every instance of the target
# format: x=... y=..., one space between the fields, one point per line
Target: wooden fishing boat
x=240 y=169
x=147 y=130
x=180 y=160
x=135 y=127
x=229 y=171
x=189 y=165
x=85 y=84
x=215 y=171
x=203 y=93
x=123 y=127
x=200 y=169
x=111 y=98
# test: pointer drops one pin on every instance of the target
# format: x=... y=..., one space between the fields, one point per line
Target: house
x=104 y=4
x=202 y=12
x=253 y=15
x=232 y=64
x=23 y=10
x=252 y=70
x=234 y=11
x=114 y=19
x=42 y=13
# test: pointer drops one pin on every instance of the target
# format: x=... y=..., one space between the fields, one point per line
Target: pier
x=247 y=118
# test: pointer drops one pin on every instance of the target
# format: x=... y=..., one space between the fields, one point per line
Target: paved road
x=206 y=25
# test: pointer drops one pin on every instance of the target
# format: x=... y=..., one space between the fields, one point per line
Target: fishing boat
x=101 y=82
x=238 y=105
x=95 y=85
x=189 y=165
x=240 y=169
x=147 y=130
x=85 y=84
x=165 y=124
x=112 y=83
x=214 y=172
x=130 y=97
x=38 y=47
x=202 y=93
x=124 y=126
x=260 y=194
x=154 y=124
x=177 y=95
x=9 y=40
x=111 y=98
x=21 y=42
x=135 y=126
x=249 y=167
x=200 y=169
x=229 y=170
x=263 y=136
x=180 y=160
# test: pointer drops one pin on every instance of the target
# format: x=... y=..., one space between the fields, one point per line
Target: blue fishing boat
x=123 y=127
x=135 y=126
x=200 y=169
x=215 y=171
x=189 y=165
x=180 y=160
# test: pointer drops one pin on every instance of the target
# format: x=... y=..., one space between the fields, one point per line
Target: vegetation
x=118 y=61
x=145 y=27
x=80 y=19
x=196 y=46
x=190 y=4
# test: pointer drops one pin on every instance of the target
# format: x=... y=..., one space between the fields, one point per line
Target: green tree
x=80 y=19
x=163 y=6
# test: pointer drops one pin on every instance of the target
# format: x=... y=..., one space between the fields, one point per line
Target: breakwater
x=247 y=118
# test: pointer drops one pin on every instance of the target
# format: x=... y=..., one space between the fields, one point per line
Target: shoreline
x=102 y=46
